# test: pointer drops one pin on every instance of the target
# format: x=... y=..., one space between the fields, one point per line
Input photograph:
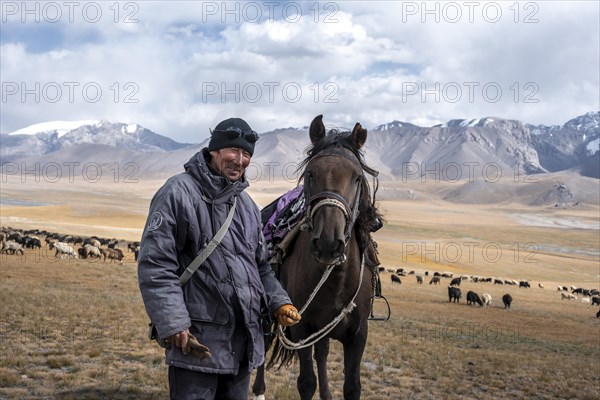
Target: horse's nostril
x=339 y=249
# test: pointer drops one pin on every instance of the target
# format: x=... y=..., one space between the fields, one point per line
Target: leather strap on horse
x=205 y=252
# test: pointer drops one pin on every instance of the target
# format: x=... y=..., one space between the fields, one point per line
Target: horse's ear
x=359 y=135
x=317 y=129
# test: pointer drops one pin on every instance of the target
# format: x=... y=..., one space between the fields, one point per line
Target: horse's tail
x=280 y=356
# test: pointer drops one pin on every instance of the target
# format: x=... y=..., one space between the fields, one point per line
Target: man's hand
x=189 y=344
x=287 y=315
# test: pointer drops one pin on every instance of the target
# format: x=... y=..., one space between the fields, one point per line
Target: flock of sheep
x=15 y=241
x=591 y=296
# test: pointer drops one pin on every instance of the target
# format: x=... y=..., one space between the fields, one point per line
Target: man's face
x=231 y=162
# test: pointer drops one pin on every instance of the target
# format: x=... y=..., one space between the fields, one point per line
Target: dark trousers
x=192 y=385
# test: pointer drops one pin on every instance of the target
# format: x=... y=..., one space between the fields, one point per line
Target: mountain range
x=454 y=151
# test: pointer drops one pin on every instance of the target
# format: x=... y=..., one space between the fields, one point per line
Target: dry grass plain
x=73 y=329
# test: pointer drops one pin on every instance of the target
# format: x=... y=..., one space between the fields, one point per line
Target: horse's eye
x=310 y=176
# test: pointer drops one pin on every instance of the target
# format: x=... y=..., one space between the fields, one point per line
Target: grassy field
x=74 y=329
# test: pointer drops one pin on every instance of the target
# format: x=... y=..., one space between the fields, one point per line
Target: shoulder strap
x=205 y=252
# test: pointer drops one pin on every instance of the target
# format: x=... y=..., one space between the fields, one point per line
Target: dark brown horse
x=324 y=273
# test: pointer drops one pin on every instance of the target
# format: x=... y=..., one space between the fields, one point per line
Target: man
x=212 y=324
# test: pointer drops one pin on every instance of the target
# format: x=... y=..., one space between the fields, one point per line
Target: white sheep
x=63 y=249
x=12 y=247
x=568 y=296
x=487 y=299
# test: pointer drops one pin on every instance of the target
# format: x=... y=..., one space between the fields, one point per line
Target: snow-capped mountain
x=52 y=136
x=464 y=146
x=576 y=144
x=457 y=149
x=58 y=127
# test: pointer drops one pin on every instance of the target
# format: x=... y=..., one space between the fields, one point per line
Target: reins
x=320 y=334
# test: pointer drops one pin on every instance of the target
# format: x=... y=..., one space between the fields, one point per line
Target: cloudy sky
x=179 y=68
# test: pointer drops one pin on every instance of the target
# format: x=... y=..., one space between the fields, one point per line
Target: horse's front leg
x=321 y=353
x=307 y=380
x=259 y=387
x=353 y=352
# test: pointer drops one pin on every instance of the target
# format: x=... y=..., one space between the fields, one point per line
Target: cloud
x=181 y=68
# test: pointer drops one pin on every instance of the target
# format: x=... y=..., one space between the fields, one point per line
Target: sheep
x=12 y=247
x=396 y=279
x=473 y=298
x=62 y=249
x=454 y=294
x=487 y=299
x=595 y=300
x=113 y=254
x=420 y=279
x=455 y=282
x=568 y=296
x=507 y=300
x=540 y=285
x=435 y=280
x=91 y=251
x=524 y=284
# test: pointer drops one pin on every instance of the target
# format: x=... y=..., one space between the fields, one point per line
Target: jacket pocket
x=203 y=300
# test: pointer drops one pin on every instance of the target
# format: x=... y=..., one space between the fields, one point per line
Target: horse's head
x=333 y=185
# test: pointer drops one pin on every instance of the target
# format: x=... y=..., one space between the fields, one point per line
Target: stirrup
x=372 y=317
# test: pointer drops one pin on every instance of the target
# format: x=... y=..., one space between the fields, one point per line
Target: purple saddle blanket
x=281 y=215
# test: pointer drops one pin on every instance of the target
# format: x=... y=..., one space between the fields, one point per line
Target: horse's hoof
x=259 y=397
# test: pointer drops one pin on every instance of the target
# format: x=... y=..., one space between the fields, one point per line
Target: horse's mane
x=369 y=212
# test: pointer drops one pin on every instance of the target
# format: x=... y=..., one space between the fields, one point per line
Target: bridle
x=331 y=199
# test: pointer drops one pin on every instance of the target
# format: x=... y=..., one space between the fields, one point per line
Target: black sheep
x=473 y=298
x=455 y=282
x=454 y=294
x=507 y=299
